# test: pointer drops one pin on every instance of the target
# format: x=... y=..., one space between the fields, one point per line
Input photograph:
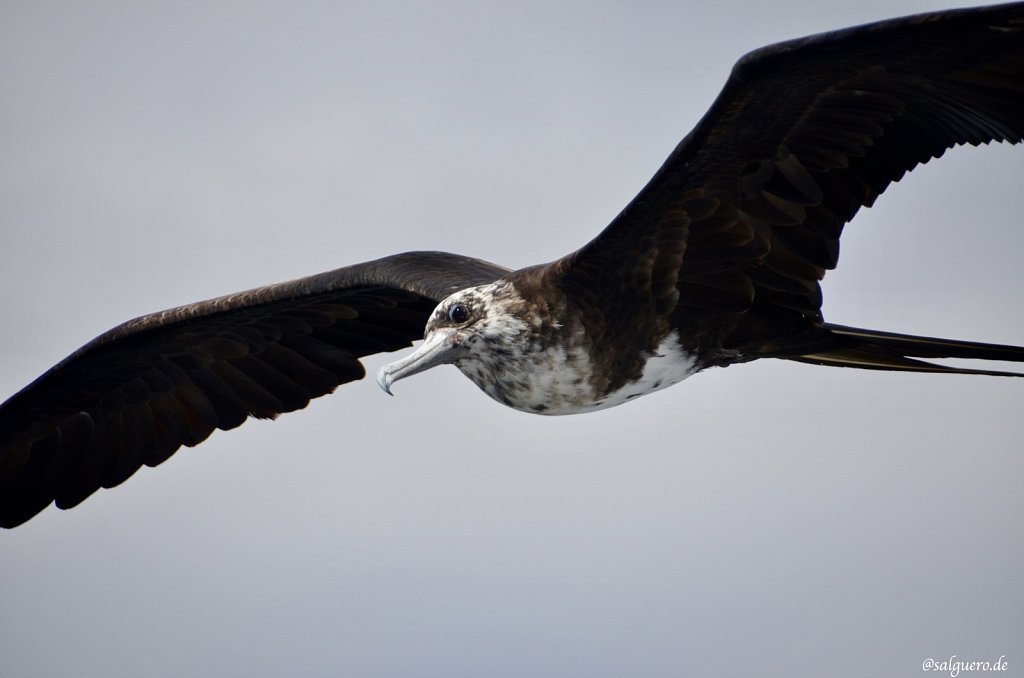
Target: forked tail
x=874 y=350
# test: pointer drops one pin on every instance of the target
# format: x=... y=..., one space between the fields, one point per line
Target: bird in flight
x=716 y=261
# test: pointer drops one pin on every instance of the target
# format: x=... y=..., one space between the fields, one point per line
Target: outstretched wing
x=136 y=394
x=750 y=205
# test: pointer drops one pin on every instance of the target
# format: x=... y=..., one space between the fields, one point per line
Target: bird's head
x=476 y=329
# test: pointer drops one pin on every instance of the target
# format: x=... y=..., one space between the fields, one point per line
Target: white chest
x=667 y=366
x=559 y=382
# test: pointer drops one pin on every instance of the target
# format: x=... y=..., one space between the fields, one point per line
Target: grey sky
x=770 y=519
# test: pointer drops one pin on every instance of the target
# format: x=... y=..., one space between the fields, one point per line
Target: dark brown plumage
x=725 y=246
x=136 y=394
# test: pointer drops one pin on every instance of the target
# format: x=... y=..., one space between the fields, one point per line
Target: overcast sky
x=769 y=519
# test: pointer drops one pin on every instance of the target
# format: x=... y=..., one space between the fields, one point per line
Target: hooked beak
x=437 y=349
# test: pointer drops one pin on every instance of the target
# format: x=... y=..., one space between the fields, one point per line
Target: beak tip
x=437 y=349
x=384 y=380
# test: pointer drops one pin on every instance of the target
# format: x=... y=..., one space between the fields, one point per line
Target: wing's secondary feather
x=749 y=207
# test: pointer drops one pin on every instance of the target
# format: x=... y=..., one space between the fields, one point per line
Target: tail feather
x=875 y=350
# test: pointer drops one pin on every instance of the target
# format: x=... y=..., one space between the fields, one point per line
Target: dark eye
x=458 y=313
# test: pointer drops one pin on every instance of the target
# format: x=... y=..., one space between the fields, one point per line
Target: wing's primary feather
x=137 y=393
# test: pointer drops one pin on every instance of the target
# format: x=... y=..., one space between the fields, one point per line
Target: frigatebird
x=716 y=261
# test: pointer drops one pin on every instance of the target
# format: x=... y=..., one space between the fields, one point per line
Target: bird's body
x=717 y=261
x=536 y=353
